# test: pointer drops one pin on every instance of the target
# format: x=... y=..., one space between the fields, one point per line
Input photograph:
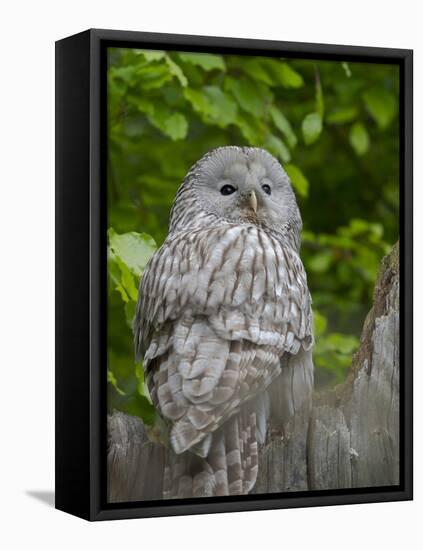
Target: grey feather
x=221 y=306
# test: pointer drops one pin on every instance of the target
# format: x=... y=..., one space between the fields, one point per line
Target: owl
x=224 y=323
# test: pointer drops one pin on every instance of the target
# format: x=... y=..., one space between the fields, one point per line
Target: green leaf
x=282 y=124
x=141 y=385
x=298 y=180
x=320 y=262
x=207 y=61
x=199 y=101
x=320 y=104
x=251 y=128
x=176 y=71
x=277 y=147
x=254 y=69
x=247 y=95
x=342 y=115
x=139 y=405
x=290 y=78
x=377 y=230
x=359 y=138
x=117 y=279
x=360 y=227
x=111 y=379
x=381 y=105
x=133 y=249
x=126 y=74
x=282 y=74
x=151 y=76
x=130 y=308
x=127 y=281
x=343 y=343
x=320 y=323
x=142 y=104
x=113 y=267
x=214 y=105
x=224 y=108
x=346 y=68
x=312 y=128
x=153 y=55
x=176 y=126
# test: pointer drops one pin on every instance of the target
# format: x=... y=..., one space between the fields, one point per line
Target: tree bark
x=349 y=437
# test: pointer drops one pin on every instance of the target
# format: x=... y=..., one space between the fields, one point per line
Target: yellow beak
x=253 y=201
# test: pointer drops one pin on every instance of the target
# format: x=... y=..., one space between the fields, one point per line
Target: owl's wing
x=217 y=309
x=293 y=389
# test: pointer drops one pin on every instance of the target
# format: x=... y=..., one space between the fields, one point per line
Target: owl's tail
x=229 y=467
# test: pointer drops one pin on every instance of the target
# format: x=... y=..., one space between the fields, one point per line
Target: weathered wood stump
x=349 y=437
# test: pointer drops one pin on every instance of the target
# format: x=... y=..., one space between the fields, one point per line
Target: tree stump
x=349 y=437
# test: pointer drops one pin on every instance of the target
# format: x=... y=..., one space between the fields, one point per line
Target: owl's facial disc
x=246 y=192
x=246 y=185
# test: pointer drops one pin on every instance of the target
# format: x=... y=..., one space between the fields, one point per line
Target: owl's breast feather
x=245 y=281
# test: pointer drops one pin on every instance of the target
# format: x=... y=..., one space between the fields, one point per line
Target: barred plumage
x=220 y=304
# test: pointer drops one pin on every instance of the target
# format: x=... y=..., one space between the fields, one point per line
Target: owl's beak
x=252 y=199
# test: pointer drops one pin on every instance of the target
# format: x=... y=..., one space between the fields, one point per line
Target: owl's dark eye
x=228 y=190
x=266 y=189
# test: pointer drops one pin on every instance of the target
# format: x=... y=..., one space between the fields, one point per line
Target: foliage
x=334 y=126
x=127 y=256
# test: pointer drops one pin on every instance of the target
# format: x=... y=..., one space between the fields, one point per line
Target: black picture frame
x=81 y=272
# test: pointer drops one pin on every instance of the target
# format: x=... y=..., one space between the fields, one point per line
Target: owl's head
x=237 y=184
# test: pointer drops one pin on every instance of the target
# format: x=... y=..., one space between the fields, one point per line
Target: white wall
x=27 y=36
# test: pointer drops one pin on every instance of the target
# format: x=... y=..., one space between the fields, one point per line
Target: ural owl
x=223 y=321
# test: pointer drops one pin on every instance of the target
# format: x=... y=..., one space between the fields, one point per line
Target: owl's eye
x=228 y=190
x=266 y=189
